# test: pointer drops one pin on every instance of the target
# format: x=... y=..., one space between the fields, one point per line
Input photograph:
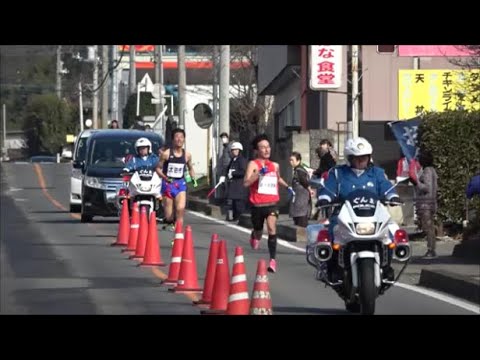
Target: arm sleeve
x=384 y=185
x=331 y=185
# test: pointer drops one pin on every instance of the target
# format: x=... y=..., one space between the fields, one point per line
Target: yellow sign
x=70 y=138
x=436 y=90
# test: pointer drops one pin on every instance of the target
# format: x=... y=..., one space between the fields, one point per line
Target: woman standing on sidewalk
x=300 y=203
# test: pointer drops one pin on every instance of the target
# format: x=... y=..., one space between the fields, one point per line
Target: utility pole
x=4 y=137
x=95 y=85
x=114 y=105
x=105 y=63
x=215 y=101
x=224 y=89
x=159 y=77
x=352 y=126
x=133 y=72
x=80 y=104
x=182 y=85
x=59 y=71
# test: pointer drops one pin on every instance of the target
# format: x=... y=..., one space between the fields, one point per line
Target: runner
x=171 y=168
x=263 y=177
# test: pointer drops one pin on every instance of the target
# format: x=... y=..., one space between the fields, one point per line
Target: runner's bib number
x=175 y=170
x=267 y=185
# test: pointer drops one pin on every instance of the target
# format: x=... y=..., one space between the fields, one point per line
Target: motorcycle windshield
x=363 y=202
x=145 y=173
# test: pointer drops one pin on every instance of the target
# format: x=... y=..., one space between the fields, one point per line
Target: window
x=288 y=116
x=385 y=49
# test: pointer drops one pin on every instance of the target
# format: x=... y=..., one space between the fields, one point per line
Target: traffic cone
x=187 y=277
x=261 y=303
x=142 y=235
x=134 y=225
x=221 y=286
x=176 y=257
x=123 y=226
x=210 y=273
x=152 y=256
x=238 y=303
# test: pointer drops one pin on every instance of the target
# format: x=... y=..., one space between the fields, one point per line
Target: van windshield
x=111 y=153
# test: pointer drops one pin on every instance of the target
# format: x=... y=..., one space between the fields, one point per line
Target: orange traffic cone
x=210 y=274
x=123 y=226
x=221 y=284
x=187 y=277
x=176 y=257
x=142 y=235
x=152 y=256
x=134 y=225
x=261 y=301
x=238 y=303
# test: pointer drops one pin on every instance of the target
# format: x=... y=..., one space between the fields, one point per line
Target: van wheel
x=75 y=208
x=86 y=218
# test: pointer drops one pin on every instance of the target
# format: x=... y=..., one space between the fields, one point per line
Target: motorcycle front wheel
x=367 y=290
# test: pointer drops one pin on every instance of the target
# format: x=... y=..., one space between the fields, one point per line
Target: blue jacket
x=137 y=162
x=372 y=179
x=473 y=187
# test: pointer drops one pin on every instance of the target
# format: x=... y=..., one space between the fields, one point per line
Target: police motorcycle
x=366 y=241
x=141 y=186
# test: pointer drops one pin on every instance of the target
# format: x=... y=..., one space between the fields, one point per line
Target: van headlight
x=93 y=182
x=367 y=228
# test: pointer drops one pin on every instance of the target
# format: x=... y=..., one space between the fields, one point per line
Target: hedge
x=453 y=137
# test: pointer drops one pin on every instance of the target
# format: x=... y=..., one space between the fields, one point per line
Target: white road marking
x=433 y=294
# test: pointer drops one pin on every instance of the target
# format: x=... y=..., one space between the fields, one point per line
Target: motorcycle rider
x=144 y=159
x=358 y=173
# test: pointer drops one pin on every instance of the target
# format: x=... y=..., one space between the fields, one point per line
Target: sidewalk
x=455 y=275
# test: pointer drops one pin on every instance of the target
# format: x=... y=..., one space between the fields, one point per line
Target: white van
x=79 y=152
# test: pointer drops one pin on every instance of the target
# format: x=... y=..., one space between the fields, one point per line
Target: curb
x=287 y=232
x=465 y=287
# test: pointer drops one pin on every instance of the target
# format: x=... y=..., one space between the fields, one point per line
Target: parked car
x=104 y=160
x=79 y=152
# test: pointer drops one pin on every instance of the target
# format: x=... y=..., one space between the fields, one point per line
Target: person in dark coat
x=300 y=203
x=233 y=174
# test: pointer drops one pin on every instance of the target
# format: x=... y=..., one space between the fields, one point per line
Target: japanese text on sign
x=325 y=66
x=422 y=91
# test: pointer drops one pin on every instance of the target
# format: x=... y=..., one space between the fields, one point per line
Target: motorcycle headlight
x=365 y=228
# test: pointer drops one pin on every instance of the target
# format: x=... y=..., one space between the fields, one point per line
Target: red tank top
x=265 y=189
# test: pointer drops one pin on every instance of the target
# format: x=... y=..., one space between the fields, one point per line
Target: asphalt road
x=53 y=264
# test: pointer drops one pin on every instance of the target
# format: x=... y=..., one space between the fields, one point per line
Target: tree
x=470 y=63
x=130 y=111
x=48 y=121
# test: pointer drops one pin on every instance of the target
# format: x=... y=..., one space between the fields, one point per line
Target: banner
x=434 y=50
x=420 y=91
x=406 y=134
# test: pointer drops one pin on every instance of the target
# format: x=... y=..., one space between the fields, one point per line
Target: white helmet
x=236 y=146
x=357 y=147
x=143 y=142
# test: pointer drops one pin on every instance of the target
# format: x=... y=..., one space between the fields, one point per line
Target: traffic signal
x=385 y=49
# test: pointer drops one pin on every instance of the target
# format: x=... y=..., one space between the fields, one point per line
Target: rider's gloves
x=322 y=202
x=263 y=170
x=126 y=170
x=395 y=199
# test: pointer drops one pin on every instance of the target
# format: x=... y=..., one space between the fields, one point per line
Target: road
x=53 y=264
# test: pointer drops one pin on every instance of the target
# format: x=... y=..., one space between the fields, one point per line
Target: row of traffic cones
x=139 y=235
x=220 y=294
x=229 y=296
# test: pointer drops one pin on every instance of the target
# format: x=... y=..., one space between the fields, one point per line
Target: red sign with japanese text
x=325 y=66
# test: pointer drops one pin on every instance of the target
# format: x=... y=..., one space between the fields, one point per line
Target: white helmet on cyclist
x=357 y=147
x=236 y=146
x=143 y=142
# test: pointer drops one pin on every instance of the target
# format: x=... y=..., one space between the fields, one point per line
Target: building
x=303 y=116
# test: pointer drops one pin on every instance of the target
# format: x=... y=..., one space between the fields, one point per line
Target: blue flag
x=405 y=132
